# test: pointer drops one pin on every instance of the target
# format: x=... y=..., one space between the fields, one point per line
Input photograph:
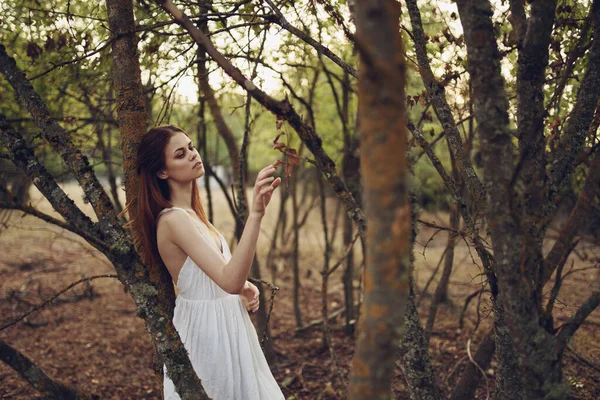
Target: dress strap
x=164 y=210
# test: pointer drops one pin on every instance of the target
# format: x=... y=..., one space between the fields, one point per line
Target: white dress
x=218 y=334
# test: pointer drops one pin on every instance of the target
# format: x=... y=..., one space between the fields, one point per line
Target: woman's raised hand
x=263 y=190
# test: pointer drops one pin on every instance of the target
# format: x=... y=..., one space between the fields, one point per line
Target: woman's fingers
x=266 y=190
x=276 y=182
x=265 y=172
x=263 y=182
x=253 y=305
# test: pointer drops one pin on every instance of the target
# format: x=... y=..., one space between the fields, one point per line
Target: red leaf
x=293 y=155
x=288 y=170
x=277 y=138
x=279 y=146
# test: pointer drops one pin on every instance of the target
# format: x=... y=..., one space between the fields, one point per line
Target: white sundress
x=219 y=337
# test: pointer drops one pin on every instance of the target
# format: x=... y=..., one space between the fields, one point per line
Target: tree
x=532 y=135
x=383 y=163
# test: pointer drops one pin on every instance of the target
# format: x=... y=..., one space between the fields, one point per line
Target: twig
x=318 y=322
x=466 y=305
x=274 y=290
x=583 y=360
x=346 y=253
x=437 y=268
x=50 y=300
x=487 y=386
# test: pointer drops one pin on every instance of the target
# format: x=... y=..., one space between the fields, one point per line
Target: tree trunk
x=383 y=162
x=132 y=116
x=351 y=174
x=414 y=356
x=296 y=251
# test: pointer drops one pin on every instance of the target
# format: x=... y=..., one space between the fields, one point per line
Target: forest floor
x=91 y=338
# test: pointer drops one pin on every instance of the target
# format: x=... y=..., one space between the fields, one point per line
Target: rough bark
x=531 y=169
x=351 y=174
x=536 y=348
x=508 y=372
x=414 y=356
x=383 y=162
x=127 y=87
x=36 y=377
x=150 y=286
x=282 y=108
x=531 y=67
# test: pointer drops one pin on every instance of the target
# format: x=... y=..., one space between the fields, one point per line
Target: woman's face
x=182 y=161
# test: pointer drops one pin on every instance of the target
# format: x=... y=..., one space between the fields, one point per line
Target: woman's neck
x=181 y=195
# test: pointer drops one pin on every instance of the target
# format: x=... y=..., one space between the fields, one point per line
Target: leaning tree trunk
x=131 y=111
x=383 y=162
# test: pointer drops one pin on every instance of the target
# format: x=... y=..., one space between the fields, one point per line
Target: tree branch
x=572 y=140
x=51 y=220
x=570 y=327
x=282 y=108
x=283 y=22
x=530 y=340
x=575 y=221
x=51 y=299
x=62 y=143
x=437 y=94
x=22 y=156
x=531 y=68
x=37 y=377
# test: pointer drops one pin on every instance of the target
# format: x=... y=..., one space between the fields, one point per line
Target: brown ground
x=92 y=339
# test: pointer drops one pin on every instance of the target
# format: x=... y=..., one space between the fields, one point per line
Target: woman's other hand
x=250 y=296
x=263 y=190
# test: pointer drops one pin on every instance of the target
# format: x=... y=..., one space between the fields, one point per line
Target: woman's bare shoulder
x=171 y=220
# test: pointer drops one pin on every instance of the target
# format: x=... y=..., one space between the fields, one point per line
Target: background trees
x=502 y=105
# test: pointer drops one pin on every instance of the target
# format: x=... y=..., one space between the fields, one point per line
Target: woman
x=211 y=318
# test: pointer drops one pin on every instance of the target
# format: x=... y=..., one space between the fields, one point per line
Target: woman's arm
x=231 y=276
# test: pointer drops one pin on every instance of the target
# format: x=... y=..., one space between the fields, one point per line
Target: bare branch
x=24 y=158
x=568 y=329
x=575 y=132
x=64 y=146
x=36 y=376
x=575 y=221
x=282 y=108
x=283 y=22
x=437 y=95
x=51 y=299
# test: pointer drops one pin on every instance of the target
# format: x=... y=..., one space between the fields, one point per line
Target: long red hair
x=153 y=192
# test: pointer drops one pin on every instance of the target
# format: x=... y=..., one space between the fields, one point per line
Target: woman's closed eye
x=180 y=155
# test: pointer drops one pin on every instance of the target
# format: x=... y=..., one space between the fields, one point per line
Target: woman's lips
x=197 y=165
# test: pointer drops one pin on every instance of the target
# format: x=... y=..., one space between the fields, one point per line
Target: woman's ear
x=162 y=174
